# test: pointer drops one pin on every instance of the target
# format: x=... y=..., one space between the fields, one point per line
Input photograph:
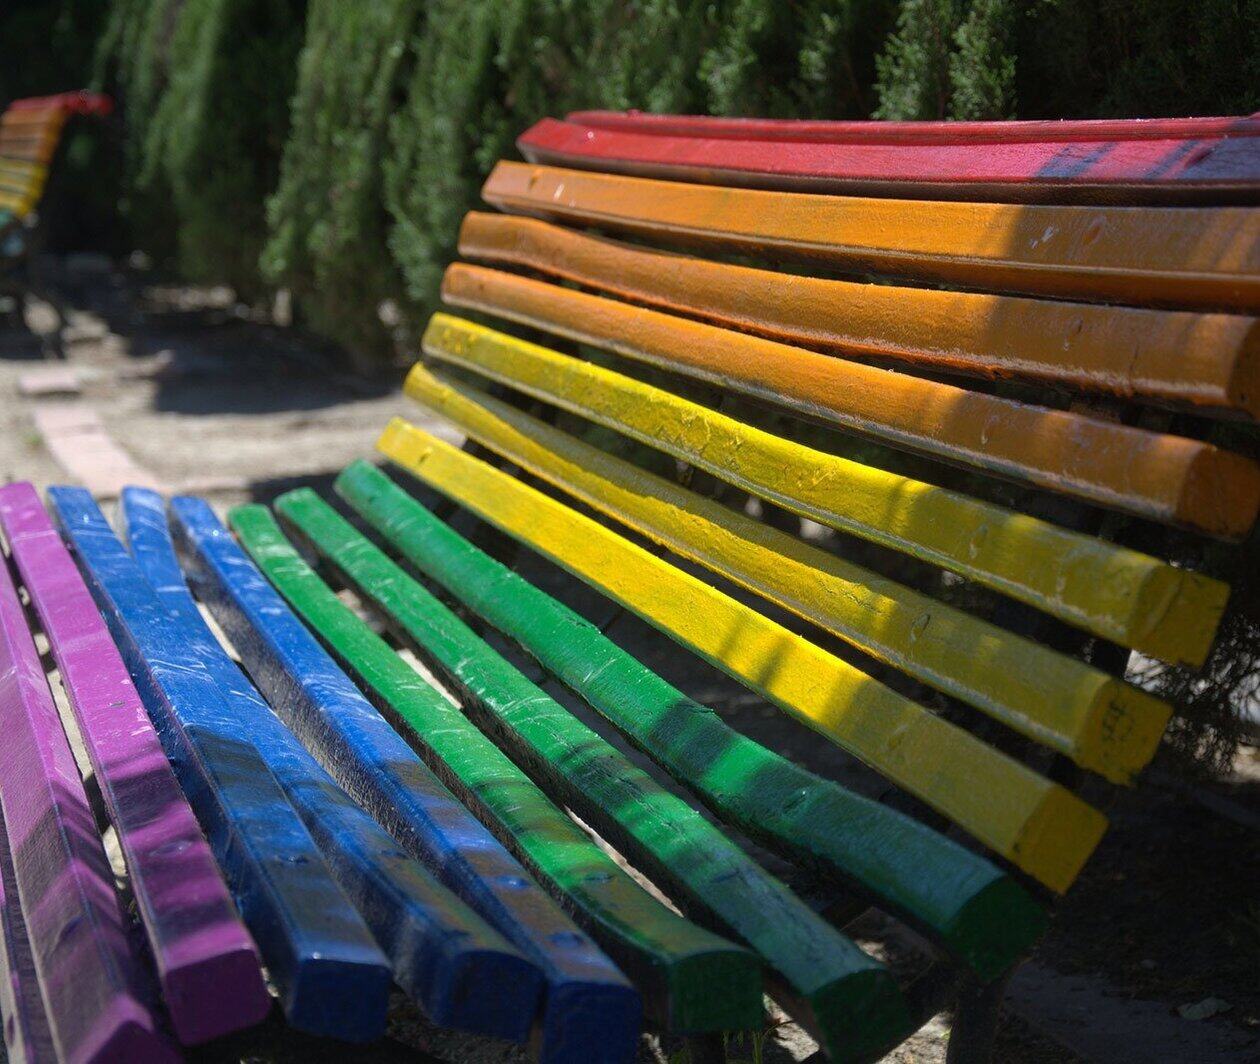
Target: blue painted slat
x=592 y=1012
x=332 y=978
x=460 y=970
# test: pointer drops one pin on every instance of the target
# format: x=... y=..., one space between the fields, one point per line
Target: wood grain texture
x=1166 y=478
x=1099 y=721
x=1206 y=362
x=691 y=980
x=206 y=963
x=462 y=972
x=1128 y=597
x=1217 y=168
x=1042 y=828
x=27 y=1035
x=1206 y=259
x=591 y=1011
x=331 y=978
x=852 y=1002
x=90 y=981
x=976 y=912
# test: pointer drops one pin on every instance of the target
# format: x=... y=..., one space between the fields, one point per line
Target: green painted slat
x=955 y=896
x=691 y=979
x=657 y=831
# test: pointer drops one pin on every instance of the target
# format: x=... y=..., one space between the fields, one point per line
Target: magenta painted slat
x=27 y=1038
x=87 y=974
x=206 y=962
x=1211 y=168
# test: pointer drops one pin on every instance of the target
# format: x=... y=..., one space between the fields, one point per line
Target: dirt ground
x=1163 y=927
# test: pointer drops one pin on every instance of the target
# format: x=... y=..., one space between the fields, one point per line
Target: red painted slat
x=1123 y=169
x=873 y=132
x=79 y=103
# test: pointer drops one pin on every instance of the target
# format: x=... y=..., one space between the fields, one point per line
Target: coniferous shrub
x=327 y=219
x=206 y=86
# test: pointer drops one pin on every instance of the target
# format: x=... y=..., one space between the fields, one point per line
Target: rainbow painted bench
x=348 y=816
x=30 y=133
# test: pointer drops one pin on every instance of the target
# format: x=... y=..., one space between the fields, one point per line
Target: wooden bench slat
x=27 y=1035
x=1207 y=362
x=32 y=122
x=1154 y=475
x=206 y=963
x=90 y=981
x=1206 y=258
x=591 y=1011
x=20 y=206
x=1040 y=827
x=331 y=977
x=461 y=971
x=692 y=980
x=1099 y=721
x=1128 y=597
x=1115 y=170
x=866 y=131
x=822 y=972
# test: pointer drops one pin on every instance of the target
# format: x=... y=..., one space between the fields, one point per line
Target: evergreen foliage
x=206 y=87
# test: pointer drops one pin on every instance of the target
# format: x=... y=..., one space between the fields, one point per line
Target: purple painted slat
x=87 y=973
x=26 y=1034
x=206 y=962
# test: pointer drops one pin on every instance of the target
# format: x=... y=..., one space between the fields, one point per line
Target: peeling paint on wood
x=1120 y=594
x=591 y=1012
x=206 y=963
x=978 y=913
x=1160 y=161
x=816 y=968
x=461 y=971
x=692 y=980
x=1041 y=827
x=1207 y=362
x=331 y=977
x=90 y=980
x=1099 y=721
x=1172 y=479
x=1207 y=258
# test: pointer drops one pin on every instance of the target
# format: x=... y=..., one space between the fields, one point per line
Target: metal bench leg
x=975 y=1021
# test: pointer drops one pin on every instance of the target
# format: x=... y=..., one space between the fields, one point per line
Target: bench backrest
x=1081 y=349
x=30 y=131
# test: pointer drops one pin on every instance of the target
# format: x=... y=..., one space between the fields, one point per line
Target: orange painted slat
x=1204 y=258
x=1162 y=477
x=1209 y=361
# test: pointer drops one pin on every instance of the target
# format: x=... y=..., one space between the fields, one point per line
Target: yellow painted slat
x=1210 y=362
x=1204 y=257
x=1042 y=828
x=22 y=170
x=1120 y=594
x=18 y=205
x=1158 y=476
x=1099 y=721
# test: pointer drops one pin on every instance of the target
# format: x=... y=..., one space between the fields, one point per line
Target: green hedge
x=205 y=86
x=331 y=148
